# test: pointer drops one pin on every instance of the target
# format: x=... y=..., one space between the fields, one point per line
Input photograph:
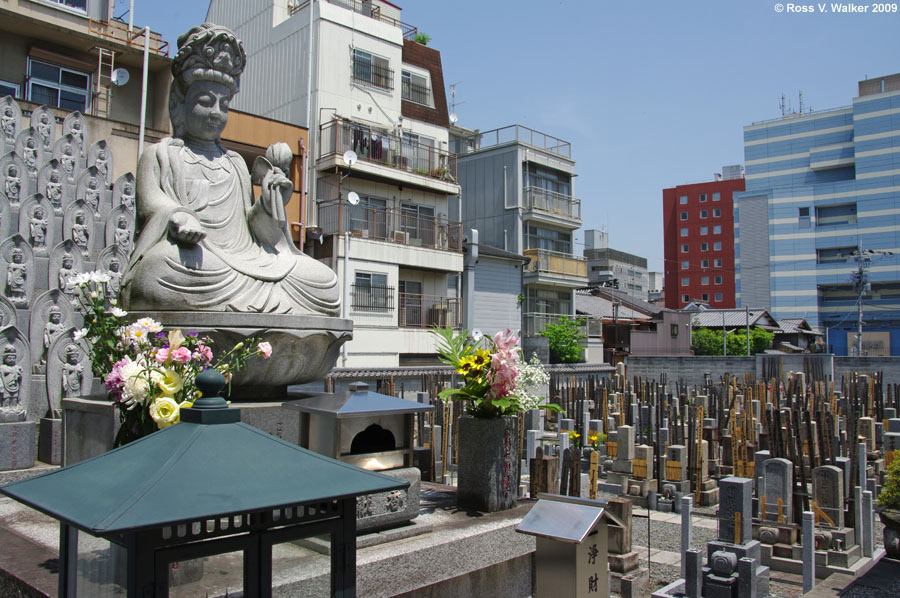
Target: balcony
x=385 y=224
x=521 y=134
x=552 y=207
x=372 y=298
x=368 y=9
x=534 y=322
x=381 y=153
x=426 y=311
x=555 y=268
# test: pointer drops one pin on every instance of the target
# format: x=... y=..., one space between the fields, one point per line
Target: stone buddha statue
x=205 y=243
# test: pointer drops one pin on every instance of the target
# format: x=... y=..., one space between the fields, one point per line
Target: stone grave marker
x=735 y=509
x=778 y=475
x=828 y=490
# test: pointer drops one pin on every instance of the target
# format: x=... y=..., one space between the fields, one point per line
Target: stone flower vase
x=488 y=477
x=891 y=520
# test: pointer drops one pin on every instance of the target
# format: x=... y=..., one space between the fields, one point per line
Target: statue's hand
x=185 y=228
x=274 y=182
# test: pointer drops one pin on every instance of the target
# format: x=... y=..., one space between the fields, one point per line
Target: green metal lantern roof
x=359 y=401
x=190 y=472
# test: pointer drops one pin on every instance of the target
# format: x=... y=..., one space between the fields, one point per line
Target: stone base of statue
x=304 y=347
x=18 y=444
x=50 y=441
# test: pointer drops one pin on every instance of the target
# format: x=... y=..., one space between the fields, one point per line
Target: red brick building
x=698 y=229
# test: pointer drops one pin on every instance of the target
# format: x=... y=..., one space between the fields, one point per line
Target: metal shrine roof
x=190 y=472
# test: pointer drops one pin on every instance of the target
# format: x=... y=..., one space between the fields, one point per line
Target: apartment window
x=551 y=240
x=803 y=217
x=414 y=88
x=704 y=230
x=684 y=232
x=717 y=213
x=9 y=89
x=79 y=5
x=717 y=246
x=685 y=265
x=717 y=196
x=684 y=215
x=718 y=296
x=686 y=281
x=717 y=229
x=704 y=246
x=58 y=86
x=369 y=69
x=703 y=198
x=836 y=215
x=418 y=221
x=835 y=255
x=704 y=280
x=371 y=293
x=686 y=298
x=704 y=213
x=673 y=329
x=717 y=263
x=683 y=200
x=704 y=297
x=717 y=280
x=685 y=248
x=704 y=263
x=548 y=179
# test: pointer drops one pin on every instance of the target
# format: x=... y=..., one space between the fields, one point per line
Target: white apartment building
x=352 y=72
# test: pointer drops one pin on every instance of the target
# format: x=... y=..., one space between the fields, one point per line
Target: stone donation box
x=571 y=557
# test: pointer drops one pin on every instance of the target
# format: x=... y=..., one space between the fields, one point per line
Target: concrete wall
x=890 y=366
x=691 y=370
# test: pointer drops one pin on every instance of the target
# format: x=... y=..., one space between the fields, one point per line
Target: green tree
x=564 y=336
x=709 y=342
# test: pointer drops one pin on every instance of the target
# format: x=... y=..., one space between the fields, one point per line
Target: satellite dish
x=453 y=118
x=350 y=157
x=120 y=77
x=353 y=198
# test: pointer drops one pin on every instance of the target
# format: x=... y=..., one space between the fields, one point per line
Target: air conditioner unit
x=401 y=237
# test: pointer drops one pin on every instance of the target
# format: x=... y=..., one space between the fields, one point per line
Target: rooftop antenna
x=781 y=104
x=454 y=117
x=800 y=93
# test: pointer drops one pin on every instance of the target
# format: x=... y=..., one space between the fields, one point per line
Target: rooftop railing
x=522 y=134
x=117 y=31
x=553 y=202
x=378 y=146
x=369 y=9
x=385 y=224
x=534 y=322
x=552 y=262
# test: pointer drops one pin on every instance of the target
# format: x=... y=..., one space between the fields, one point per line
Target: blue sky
x=650 y=94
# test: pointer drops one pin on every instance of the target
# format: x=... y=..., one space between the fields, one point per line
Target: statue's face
x=55 y=317
x=206 y=110
x=13 y=171
x=92 y=183
x=39 y=212
x=79 y=218
x=54 y=176
x=67 y=261
x=8 y=112
x=128 y=190
x=10 y=359
x=101 y=155
x=72 y=357
x=114 y=265
x=17 y=257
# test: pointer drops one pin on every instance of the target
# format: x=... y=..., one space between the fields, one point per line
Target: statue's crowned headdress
x=209 y=52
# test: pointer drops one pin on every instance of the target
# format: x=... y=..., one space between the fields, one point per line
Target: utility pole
x=861 y=284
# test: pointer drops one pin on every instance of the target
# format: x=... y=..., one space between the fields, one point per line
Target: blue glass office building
x=818 y=187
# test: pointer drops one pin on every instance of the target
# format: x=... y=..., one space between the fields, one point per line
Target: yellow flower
x=574 y=435
x=171 y=382
x=164 y=412
x=176 y=339
x=593 y=438
x=185 y=404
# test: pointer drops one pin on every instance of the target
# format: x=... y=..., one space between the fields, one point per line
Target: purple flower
x=193 y=334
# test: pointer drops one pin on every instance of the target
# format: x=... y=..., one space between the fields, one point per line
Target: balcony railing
x=369 y=9
x=115 y=30
x=372 y=298
x=425 y=311
x=534 y=322
x=552 y=262
x=553 y=202
x=522 y=135
x=377 y=146
x=385 y=224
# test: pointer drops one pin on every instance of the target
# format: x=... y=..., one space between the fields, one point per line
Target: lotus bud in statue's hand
x=280 y=155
